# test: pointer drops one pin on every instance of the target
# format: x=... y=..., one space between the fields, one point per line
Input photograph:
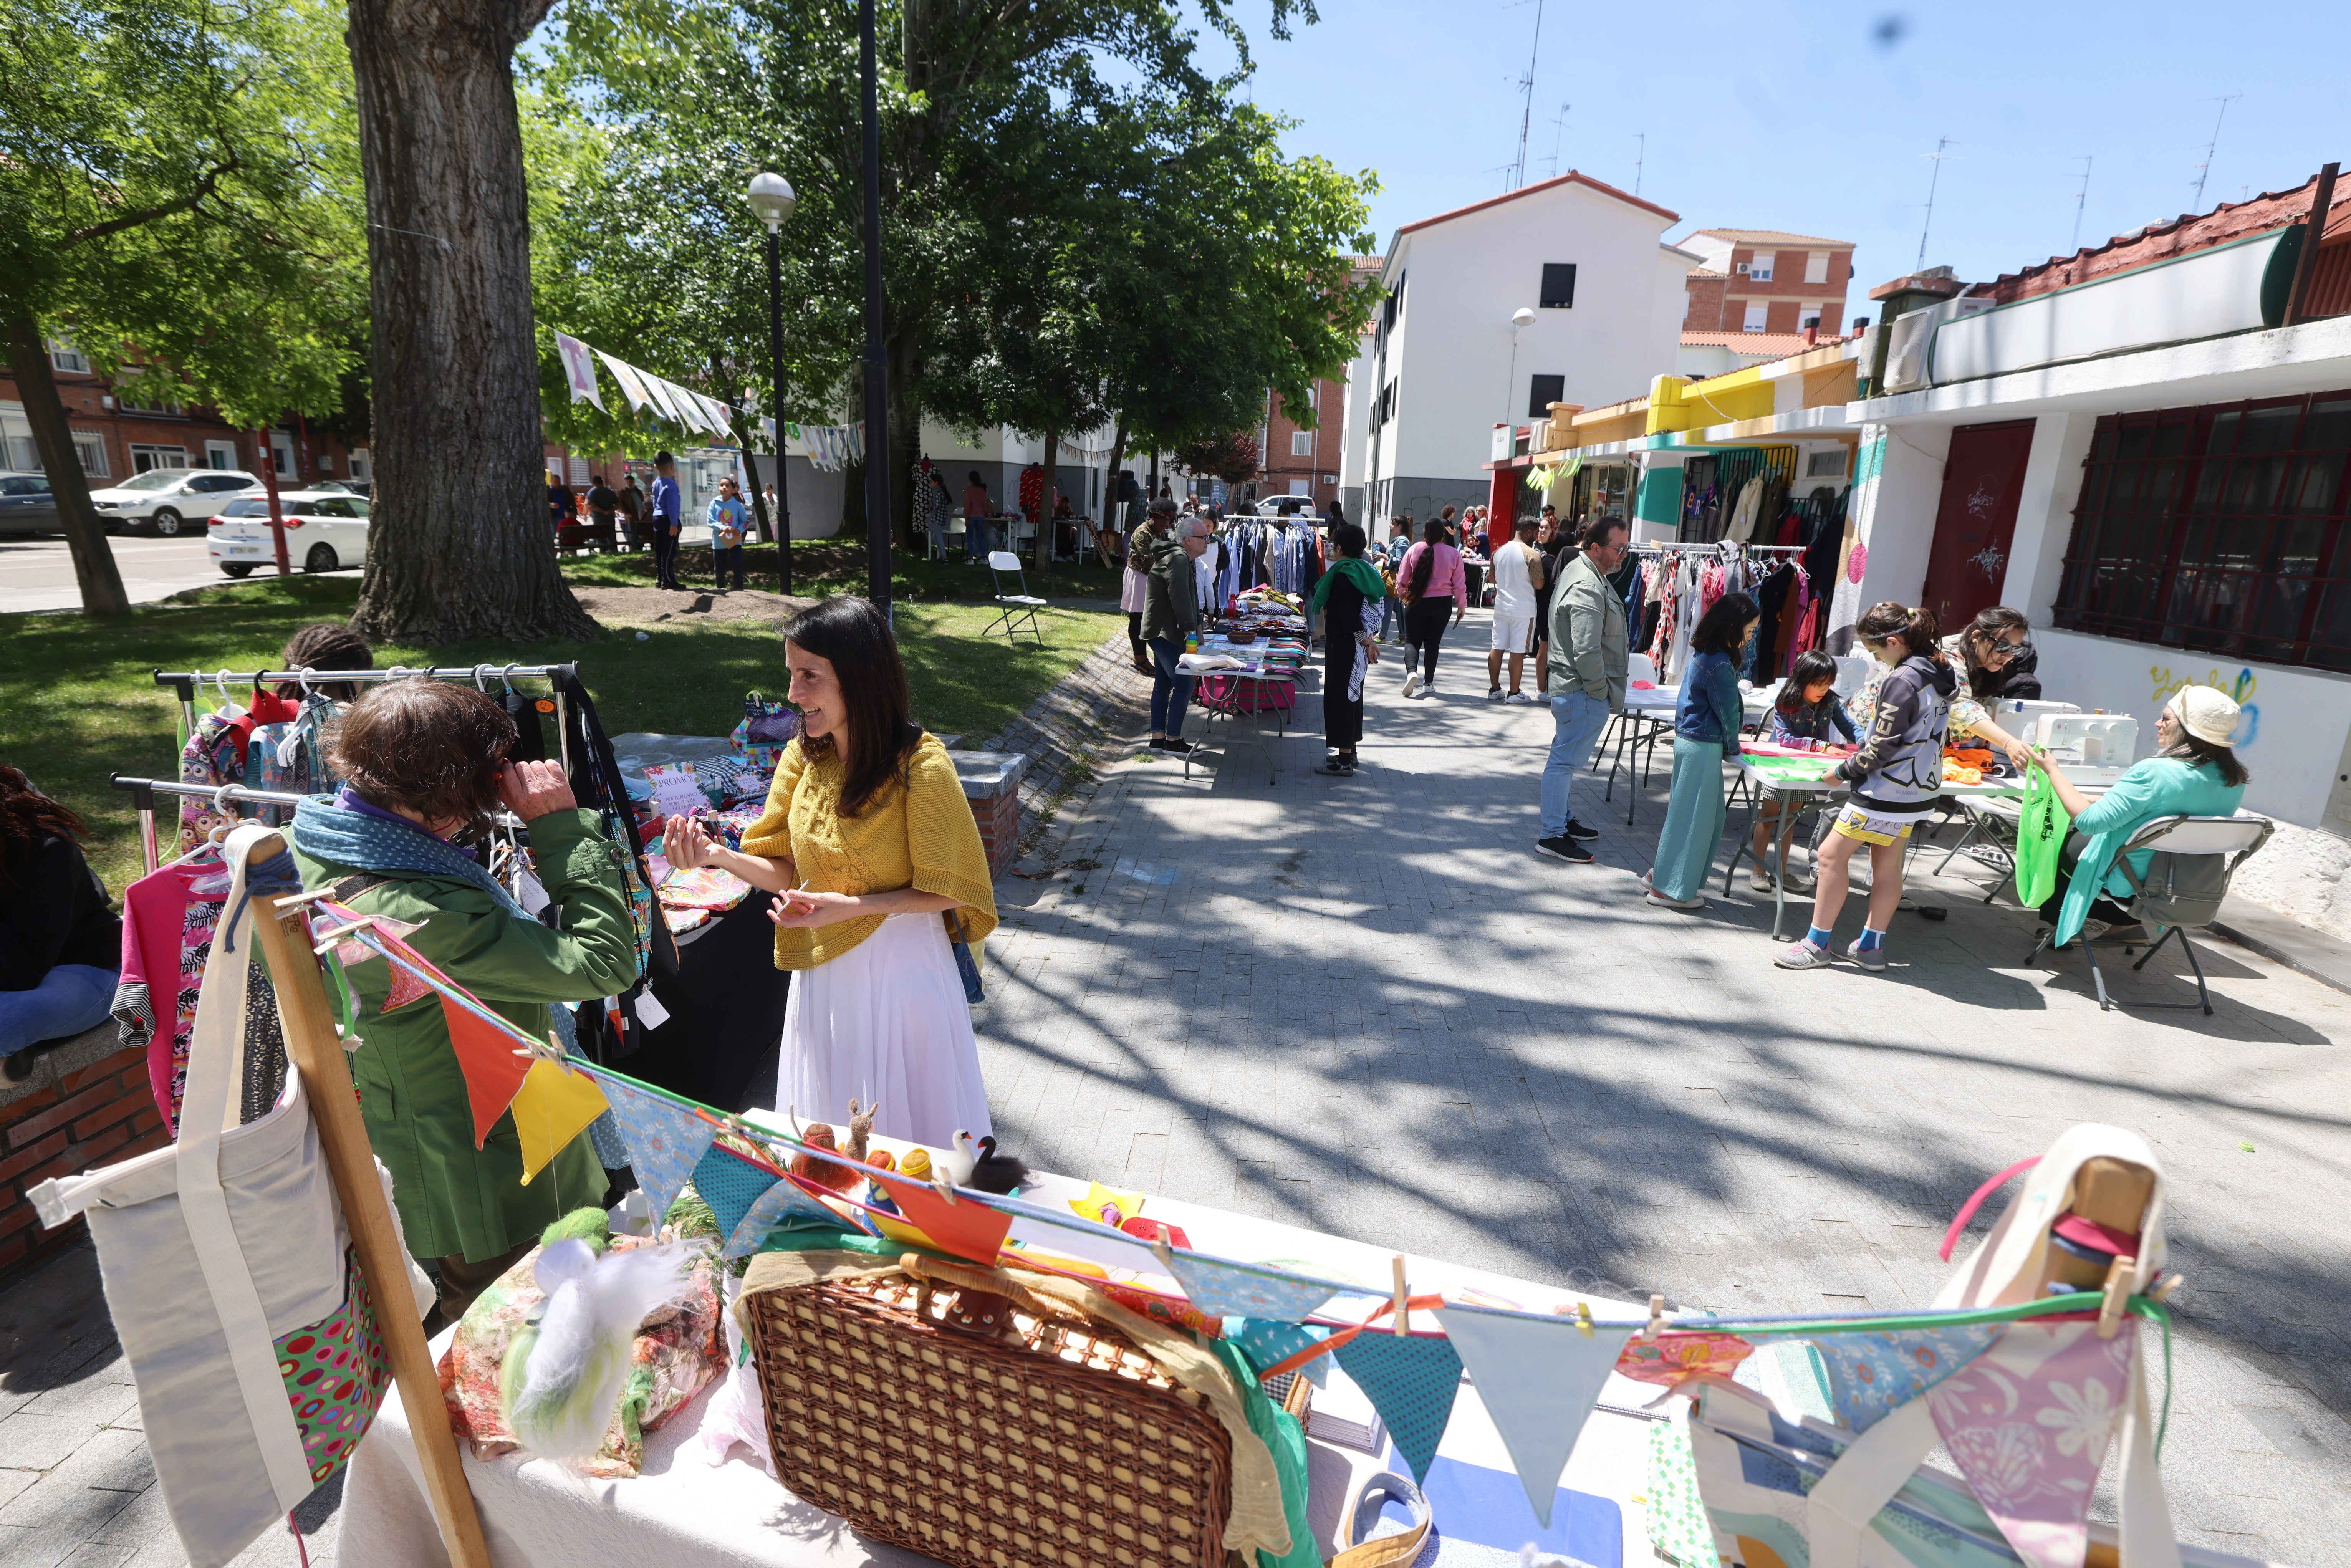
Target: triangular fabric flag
x=2028 y=1423
x=768 y=1210
x=664 y=1141
x=1536 y=1377
x=1872 y=1372
x=1679 y=1353
x=553 y=1106
x=1222 y=1289
x=730 y=1185
x=1411 y=1380
x=657 y=395
x=965 y=1228
x=721 y=417
x=688 y=405
x=486 y=1055
x=579 y=369
x=406 y=988
x=625 y=374
x=1268 y=1343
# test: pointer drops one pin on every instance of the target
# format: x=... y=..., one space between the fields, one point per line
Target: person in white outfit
x=1518 y=594
x=877 y=862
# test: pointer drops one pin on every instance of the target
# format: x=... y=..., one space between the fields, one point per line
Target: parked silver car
x=162 y=500
x=27 y=507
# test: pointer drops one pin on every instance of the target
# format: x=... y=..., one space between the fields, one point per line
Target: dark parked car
x=27 y=507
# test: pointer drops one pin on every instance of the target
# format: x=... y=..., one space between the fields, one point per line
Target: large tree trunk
x=460 y=546
x=93 y=557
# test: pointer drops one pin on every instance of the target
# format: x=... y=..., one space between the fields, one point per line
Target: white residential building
x=1447 y=364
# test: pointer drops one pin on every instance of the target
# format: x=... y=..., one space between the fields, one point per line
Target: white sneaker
x=1758 y=879
x=1802 y=955
x=1662 y=902
x=1521 y=697
x=1493 y=694
x=1412 y=683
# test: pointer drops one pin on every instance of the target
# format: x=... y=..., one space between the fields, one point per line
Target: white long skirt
x=886 y=1021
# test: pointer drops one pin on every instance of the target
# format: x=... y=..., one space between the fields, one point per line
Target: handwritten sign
x=675 y=793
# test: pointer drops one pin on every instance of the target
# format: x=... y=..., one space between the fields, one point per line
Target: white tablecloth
x=682 y=1511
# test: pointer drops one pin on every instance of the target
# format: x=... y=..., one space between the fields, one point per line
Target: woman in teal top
x=728 y=517
x=2193 y=774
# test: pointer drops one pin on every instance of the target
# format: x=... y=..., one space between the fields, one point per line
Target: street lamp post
x=772 y=201
x=877 y=384
x=1520 y=320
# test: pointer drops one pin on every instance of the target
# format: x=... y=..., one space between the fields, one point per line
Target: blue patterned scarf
x=327 y=830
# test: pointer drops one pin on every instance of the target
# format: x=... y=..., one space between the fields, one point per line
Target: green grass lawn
x=825 y=567
x=78 y=700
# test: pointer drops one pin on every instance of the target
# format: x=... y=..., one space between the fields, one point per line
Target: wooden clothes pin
x=316 y=1052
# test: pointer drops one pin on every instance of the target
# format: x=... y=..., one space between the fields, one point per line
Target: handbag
x=228 y=1271
x=2040 y=841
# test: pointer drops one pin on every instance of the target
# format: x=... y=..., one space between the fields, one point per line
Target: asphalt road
x=39 y=574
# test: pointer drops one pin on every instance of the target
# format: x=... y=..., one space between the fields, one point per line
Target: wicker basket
x=952 y=1424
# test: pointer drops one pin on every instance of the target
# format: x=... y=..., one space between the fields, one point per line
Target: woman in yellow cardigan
x=869 y=842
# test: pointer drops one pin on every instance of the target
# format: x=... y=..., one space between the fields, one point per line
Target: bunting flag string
x=1226 y=1289
x=1411 y=1380
x=553 y=1106
x=579 y=369
x=665 y=1143
x=632 y=386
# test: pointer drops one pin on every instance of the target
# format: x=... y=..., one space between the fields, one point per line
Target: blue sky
x=1808 y=116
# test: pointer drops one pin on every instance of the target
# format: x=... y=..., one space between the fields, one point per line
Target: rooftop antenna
x=1638 y=158
x=1558 y=126
x=2205 y=168
x=1935 y=157
x=2081 y=200
x=1527 y=96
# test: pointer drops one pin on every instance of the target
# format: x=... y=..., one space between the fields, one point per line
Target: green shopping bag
x=2040 y=839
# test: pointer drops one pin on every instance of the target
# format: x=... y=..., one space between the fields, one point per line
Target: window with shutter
x=1544 y=391
x=1558 y=285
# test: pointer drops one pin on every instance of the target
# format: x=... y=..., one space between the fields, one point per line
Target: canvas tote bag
x=228 y=1273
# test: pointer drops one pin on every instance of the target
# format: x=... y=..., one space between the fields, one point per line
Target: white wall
x=2045 y=513
x=1897 y=489
x=1450 y=351
x=1354 y=432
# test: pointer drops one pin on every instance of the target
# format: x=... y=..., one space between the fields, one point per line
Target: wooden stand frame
x=317 y=1054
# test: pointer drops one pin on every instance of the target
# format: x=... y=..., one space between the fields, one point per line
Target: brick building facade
x=1301 y=462
x=116 y=440
x=1762 y=280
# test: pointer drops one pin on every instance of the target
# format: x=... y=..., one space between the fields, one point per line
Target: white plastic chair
x=1011 y=608
x=1640 y=667
x=1852 y=673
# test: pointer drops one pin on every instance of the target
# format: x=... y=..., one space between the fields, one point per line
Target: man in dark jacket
x=1171 y=608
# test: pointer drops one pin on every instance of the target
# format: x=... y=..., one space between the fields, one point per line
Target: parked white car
x=162 y=500
x=325 y=529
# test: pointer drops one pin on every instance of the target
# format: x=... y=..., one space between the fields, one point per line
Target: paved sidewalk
x=1367 y=1006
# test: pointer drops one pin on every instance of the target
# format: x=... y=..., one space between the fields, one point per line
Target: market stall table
x=538 y=1514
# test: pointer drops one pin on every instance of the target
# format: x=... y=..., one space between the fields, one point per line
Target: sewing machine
x=2090 y=748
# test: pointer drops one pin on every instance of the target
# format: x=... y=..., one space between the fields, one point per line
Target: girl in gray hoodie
x=1897 y=777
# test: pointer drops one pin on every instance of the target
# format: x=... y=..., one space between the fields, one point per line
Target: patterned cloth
x=1673 y=1356
x=1871 y=1374
x=1223 y=1290
x=1268 y=1343
x=1411 y=1380
x=326 y=831
x=335 y=1374
x=1678 y=1527
x=2028 y=1423
x=677 y=1351
x=666 y=1142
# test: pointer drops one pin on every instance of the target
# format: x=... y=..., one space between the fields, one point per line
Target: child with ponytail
x=1897 y=777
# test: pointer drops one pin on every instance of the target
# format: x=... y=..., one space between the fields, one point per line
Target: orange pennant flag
x=966 y=1229
x=553 y=1107
x=486 y=1055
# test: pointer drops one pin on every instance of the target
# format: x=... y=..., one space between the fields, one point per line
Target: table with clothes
x=703 y=1492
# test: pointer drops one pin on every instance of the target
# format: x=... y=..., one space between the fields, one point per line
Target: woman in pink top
x=1434 y=589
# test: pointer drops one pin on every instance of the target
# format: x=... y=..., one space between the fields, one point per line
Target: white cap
x=2208 y=715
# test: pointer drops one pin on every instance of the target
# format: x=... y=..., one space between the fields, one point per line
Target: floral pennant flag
x=1411 y=1380
x=1536 y=1377
x=1870 y=1373
x=1672 y=1356
x=632 y=386
x=664 y=1141
x=1267 y=1342
x=730 y=1185
x=579 y=369
x=2028 y=1423
x=553 y=1106
x=769 y=1211
x=1225 y=1290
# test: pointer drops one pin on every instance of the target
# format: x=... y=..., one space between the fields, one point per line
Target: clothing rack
x=142 y=793
x=187 y=683
x=1714 y=547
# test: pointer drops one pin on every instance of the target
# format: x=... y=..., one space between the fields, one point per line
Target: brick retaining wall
x=87 y=1104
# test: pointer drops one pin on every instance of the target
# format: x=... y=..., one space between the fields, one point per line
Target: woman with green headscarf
x=1349 y=596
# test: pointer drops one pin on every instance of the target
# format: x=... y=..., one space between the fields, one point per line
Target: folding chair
x=2195 y=858
x=1012 y=608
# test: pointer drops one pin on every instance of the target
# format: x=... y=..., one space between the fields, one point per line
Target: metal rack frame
x=142 y=793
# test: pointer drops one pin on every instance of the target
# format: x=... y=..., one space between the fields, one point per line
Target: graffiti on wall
x=2239 y=690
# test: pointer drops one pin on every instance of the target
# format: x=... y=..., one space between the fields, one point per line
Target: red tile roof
x=1761 y=345
x=1571 y=177
x=2160 y=242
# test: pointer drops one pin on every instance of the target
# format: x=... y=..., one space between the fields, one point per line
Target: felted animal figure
x=861 y=1128
x=992 y=1172
x=825 y=1172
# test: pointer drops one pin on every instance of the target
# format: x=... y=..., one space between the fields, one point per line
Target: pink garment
x=1446 y=579
x=167 y=937
x=2028 y=1423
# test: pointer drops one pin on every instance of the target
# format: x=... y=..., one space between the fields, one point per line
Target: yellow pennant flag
x=553 y=1106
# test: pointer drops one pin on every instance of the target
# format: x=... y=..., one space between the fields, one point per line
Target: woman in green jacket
x=424 y=765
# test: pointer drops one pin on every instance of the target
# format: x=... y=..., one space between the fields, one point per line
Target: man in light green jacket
x=1590 y=662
